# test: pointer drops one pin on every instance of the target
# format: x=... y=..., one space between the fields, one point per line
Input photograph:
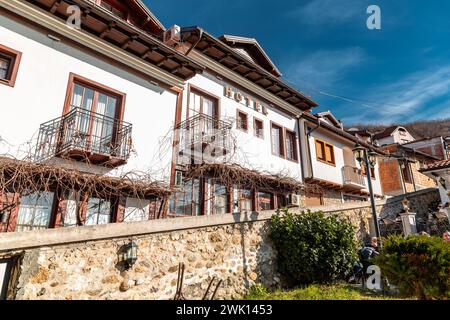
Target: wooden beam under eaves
x=107 y=30
x=127 y=43
x=163 y=60
x=55 y=6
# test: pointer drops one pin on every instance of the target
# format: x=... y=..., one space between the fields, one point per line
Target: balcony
x=202 y=139
x=85 y=136
x=353 y=177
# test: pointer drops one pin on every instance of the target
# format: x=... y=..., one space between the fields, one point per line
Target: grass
x=318 y=292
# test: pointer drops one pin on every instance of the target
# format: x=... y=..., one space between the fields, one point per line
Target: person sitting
x=446 y=236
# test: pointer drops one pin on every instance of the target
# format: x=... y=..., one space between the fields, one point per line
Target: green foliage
x=418 y=265
x=312 y=247
x=257 y=291
x=320 y=292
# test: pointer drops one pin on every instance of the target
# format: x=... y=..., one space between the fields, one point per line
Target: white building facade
x=119 y=98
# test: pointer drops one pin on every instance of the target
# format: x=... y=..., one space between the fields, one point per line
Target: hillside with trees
x=419 y=129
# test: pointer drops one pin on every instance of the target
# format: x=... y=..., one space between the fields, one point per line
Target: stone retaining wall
x=81 y=263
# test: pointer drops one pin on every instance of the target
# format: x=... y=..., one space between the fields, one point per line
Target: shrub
x=418 y=265
x=257 y=291
x=312 y=247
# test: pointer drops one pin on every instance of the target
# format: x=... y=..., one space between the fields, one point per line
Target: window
x=98 y=116
x=220 y=198
x=188 y=200
x=35 y=211
x=258 y=128
x=242 y=121
x=9 y=65
x=291 y=146
x=136 y=210
x=277 y=140
x=406 y=173
x=363 y=171
x=325 y=152
x=264 y=201
x=69 y=218
x=98 y=211
x=245 y=200
x=202 y=103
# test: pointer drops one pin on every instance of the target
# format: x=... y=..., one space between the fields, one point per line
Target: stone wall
x=82 y=262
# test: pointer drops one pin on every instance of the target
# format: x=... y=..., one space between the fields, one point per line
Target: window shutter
x=319 y=150
x=329 y=153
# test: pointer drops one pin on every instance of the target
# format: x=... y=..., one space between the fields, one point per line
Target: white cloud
x=324 y=68
x=407 y=99
x=329 y=11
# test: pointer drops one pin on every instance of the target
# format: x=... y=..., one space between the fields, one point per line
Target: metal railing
x=203 y=136
x=353 y=175
x=84 y=131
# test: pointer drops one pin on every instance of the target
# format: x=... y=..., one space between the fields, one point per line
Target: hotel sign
x=245 y=100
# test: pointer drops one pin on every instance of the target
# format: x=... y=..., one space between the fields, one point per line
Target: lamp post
x=369 y=159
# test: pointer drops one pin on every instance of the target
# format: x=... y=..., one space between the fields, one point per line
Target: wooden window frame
x=98 y=88
x=325 y=160
x=272 y=200
x=238 y=114
x=15 y=57
x=201 y=92
x=282 y=140
x=212 y=185
x=255 y=119
x=294 y=135
x=372 y=172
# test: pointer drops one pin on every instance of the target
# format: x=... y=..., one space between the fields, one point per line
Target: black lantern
x=4 y=216
x=128 y=254
x=443 y=183
x=359 y=152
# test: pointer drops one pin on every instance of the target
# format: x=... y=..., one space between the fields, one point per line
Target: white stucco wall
x=334 y=173
x=252 y=152
x=40 y=90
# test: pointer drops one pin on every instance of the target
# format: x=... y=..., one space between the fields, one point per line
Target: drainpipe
x=200 y=35
x=308 y=135
x=302 y=167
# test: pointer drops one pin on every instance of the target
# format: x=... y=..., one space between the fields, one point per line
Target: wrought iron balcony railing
x=203 y=137
x=85 y=135
x=353 y=176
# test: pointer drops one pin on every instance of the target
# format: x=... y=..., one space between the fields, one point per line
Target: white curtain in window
x=70 y=215
x=276 y=141
x=98 y=211
x=136 y=210
x=34 y=211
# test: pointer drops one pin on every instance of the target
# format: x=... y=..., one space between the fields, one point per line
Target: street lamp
x=370 y=160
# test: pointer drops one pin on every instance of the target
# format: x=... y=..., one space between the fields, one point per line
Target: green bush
x=312 y=247
x=418 y=265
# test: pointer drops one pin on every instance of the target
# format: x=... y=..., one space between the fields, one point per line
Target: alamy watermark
x=374 y=20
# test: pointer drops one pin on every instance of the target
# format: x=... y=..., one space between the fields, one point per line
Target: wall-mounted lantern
x=128 y=254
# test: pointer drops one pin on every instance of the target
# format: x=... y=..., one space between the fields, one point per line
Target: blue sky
x=400 y=73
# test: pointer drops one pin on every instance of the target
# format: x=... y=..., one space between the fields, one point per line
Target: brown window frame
x=372 y=171
x=255 y=131
x=202 y=93
x=324 y=145
x=294 y=137
x=257 y=198
x=15 y=57
x=97 y=88
x=282 y=141
x=239 y=126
